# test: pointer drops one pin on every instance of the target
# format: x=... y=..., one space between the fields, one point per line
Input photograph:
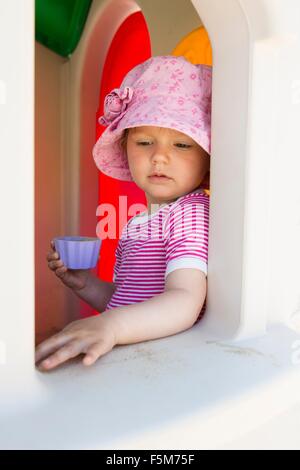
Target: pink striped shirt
x=152 y=246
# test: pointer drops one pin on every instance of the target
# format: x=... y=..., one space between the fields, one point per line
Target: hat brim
x=112 y=160
x=109 y=157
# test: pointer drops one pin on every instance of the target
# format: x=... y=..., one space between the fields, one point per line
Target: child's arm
x=175 y=310
x=96 y=293
x=82 y=282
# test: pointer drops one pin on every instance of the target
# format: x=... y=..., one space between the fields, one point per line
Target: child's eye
x=144 y=142
x=179 y=144
x=183 y=146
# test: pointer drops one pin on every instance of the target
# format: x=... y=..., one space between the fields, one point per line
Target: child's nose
x=160 y=156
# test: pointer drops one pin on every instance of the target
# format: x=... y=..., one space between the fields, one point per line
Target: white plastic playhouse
x=233 y=380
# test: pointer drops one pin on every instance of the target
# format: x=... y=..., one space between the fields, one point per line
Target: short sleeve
x=118 y=254
x=185 y=234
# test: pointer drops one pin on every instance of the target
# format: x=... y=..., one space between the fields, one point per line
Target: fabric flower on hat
x=115 y=103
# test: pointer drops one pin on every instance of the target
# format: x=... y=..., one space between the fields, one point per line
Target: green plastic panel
x=59 y=23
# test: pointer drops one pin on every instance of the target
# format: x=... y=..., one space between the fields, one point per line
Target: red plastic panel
x=130 y=46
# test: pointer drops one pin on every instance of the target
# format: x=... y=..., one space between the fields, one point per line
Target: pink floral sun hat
x=163 y=91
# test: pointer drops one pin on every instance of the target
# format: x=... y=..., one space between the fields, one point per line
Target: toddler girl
x=158 y=136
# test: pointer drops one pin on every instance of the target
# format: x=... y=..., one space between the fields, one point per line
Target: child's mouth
x=159 y=179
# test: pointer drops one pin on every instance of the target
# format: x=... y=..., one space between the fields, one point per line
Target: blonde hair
x=123 y=140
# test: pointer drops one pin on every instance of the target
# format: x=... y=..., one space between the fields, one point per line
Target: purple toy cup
x=78 y=252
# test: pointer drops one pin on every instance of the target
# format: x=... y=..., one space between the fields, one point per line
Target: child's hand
x=93 y=336
x=74 y=278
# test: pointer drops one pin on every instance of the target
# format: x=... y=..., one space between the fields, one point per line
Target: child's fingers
x=72 y=349
x=51 y=255
x=49 y=345
x=60 y=271
x=57 y=265
x=95 y=351
x=53 y=249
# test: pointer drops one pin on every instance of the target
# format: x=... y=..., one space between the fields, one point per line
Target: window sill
x=181 y=392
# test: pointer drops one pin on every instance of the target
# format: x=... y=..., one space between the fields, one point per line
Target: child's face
x=153 y=149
